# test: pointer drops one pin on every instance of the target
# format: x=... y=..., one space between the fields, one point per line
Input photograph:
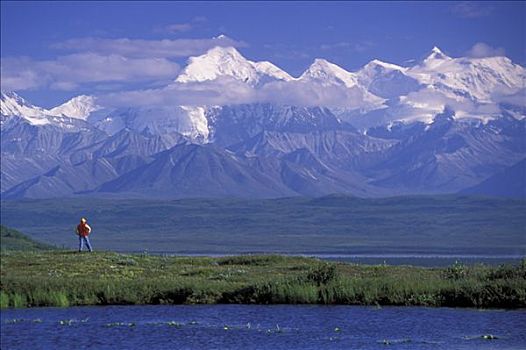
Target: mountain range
x=442 y=125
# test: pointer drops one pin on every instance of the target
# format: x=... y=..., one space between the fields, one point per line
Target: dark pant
x=83 y=239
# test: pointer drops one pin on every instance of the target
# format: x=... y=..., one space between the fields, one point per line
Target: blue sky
x=60 y=37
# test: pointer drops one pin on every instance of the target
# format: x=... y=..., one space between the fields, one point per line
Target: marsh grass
x=4 y=300
x=67 y=279
x=39 y=297
x=17 y=300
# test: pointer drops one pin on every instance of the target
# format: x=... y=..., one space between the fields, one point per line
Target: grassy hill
x=11 y=239
x=331 y=224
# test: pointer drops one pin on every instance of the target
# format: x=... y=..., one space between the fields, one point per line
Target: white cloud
x=229 y=91
x=430 y=101
x=222 y=91
x=140 y=48
x=311 y=94
x=175 y=28
x=17 y=74
x=68 y=72
x=517 y=99
x=433 y=100
x=89 y=67
x=471 y=9
x=480 y=50
x=178 y=27
x=106 y=61
x=63 y=85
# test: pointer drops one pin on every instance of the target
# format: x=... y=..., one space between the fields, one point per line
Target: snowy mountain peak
x=9 y=94
x=329 y=73
x=224 y=53
x=436 y=55
x=13 y=105
x=377 y=64
x=272 y=70
x=436 y=50
x=12 y=99
x=79 y=107
x=217 y=62
x=228 y=62
x=321 y=64
x=386 y=80
x=477 y=80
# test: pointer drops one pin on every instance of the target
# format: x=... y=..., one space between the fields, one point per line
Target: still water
x=425 y=260
x=261 y=327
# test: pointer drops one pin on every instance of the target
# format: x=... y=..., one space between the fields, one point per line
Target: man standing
x=83 y=230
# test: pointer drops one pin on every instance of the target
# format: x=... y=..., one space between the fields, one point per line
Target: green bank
x=11 y=239
x=61 y=278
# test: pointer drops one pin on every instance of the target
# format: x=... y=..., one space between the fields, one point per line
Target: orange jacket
x=83 y=230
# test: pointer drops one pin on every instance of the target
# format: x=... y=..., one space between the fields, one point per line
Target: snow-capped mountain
x=232 y=124
x=439 y=126
x=228 y=62
x=386 y=80
x=328 y=74
x=80 y=107
x=473 y=87
x=14 y=105
x=435 y=58
x=378 y=93
x=476 y=79
x=376 y=68
x=170 y=123
x=15 y=108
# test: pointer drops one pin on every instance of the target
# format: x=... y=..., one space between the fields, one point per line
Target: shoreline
x=407 y=259
x=369 y=307
x=326 y=255
x=65 y=278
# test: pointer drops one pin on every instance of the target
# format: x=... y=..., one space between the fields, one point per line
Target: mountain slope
x=13 y=105
x=190 y=170
x=386 y=80
x=341 y=149
x=80 y=107
x=511 y=182
x=29 y=150
x=64 y=180
x=234 y=124
x=171 y=123
x=449 y=155
x=88 y=167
